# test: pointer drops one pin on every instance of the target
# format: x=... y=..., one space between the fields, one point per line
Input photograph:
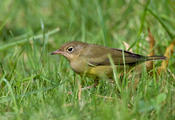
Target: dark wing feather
x=98 y=55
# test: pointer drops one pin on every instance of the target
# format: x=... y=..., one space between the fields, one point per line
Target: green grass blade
x=161 y=22
x=9 y=45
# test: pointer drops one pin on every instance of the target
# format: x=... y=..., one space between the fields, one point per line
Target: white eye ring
x=70 y=49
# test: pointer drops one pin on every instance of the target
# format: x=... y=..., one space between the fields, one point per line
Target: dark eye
x=70 y=49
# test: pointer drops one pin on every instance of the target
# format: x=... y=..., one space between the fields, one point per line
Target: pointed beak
x=57 y=52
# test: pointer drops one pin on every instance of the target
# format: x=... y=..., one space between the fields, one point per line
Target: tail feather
x=149 y=58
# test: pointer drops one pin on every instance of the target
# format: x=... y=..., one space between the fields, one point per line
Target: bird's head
x=71 y=49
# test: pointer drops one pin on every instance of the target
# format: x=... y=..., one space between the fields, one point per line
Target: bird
x=94 y=60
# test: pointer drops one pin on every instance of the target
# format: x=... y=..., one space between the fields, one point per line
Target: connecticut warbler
x=95 y=60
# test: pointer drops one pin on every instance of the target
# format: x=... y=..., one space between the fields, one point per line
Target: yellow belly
x=81 y=67
x=102 y=71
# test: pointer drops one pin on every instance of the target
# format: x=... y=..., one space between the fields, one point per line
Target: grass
x=36 y=85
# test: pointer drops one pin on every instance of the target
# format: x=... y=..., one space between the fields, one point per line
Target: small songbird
x=94 y=59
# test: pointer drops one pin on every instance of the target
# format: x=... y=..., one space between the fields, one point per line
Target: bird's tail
x=149 y=58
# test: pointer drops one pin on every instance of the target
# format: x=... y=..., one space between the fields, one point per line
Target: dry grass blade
x=149 y=64
x=168 y=52
x=68 y=105
x=105 y=97
x=127 y=46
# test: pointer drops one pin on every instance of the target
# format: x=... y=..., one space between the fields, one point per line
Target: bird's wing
x=98 y=55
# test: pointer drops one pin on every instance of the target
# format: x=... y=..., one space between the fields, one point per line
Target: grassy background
x=35 y=85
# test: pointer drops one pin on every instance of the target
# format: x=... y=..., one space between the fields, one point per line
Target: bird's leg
x=79 y=90
x=79 y=87
x=96 y=81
